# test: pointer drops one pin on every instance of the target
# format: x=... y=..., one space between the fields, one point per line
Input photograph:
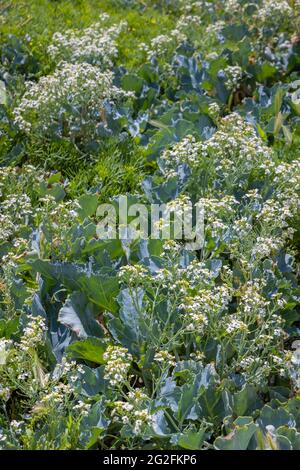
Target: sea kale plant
x=143 y=342
x=72 y=103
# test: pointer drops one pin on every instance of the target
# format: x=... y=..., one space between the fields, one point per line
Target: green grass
x=116 y=167
x=40 y=19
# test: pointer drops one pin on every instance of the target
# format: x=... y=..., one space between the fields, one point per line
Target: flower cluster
x=165 y=359
x=265 y=246
x=133 y=274
x=232 y=7
x=162 y=45
x=198 y=328
x=82 y=408
x=171 y=248
x=274 y=13
x=252 y=301
x=15 y=203
x=214 y=111
x=5 y=345
x=236 y=326
x=185 y=151
x=233 y=75
x=118 y=362
x=205 y=306
x=95 y=45
x=33 y=334
x=234 y=145
x=4 y=393
x=56 y=396
x=134 y=412
x=73 y=98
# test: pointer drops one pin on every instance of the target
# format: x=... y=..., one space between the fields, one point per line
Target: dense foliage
x=145 y=343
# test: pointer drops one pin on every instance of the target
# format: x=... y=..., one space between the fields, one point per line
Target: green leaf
x=8 y=327
x=295 y=107
x=192 y=440
x=265 y=72
x=132 y=82
x=3 y=356
x=55 y=178
x=91 y=381
x=88 y=204
x=90 y=349
x=79 y=316
x=239 y=438
x=287 y=134
x=235 y=32
x=129 y=327
x=101 y=288
x=188 y=408
x=275 y=417
x=261 y=132
x=246 y=401
x=57 y=191
x=210 y=396
x=278 y=123
x=159 y=424
x=291 y=434
x=93 y=425
x=168 y=395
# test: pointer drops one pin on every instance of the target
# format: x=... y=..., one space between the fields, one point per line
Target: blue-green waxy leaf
x=188 y=408
x=53 y=188
x=78 y=315
x=101 y=288
x=239 y=438
x=130 y=327
x=159 y=424
x=91 y=381
x=275 y=417
x=291 y=434
x=246 y=400
x=210 y=399
x=93 y=425
x=235 y=32
x=168 y=395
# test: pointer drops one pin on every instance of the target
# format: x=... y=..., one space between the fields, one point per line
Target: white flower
x=82 y=408
x=165 y=358
x=133 y=274
x=236 y=326
x=4 y=393
x=206 y=304
x=75 y=95
x=247 y=362
x=95 y=45
x=33 y=334
x=234 y=75
x=118 y=362
x=274 y=13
